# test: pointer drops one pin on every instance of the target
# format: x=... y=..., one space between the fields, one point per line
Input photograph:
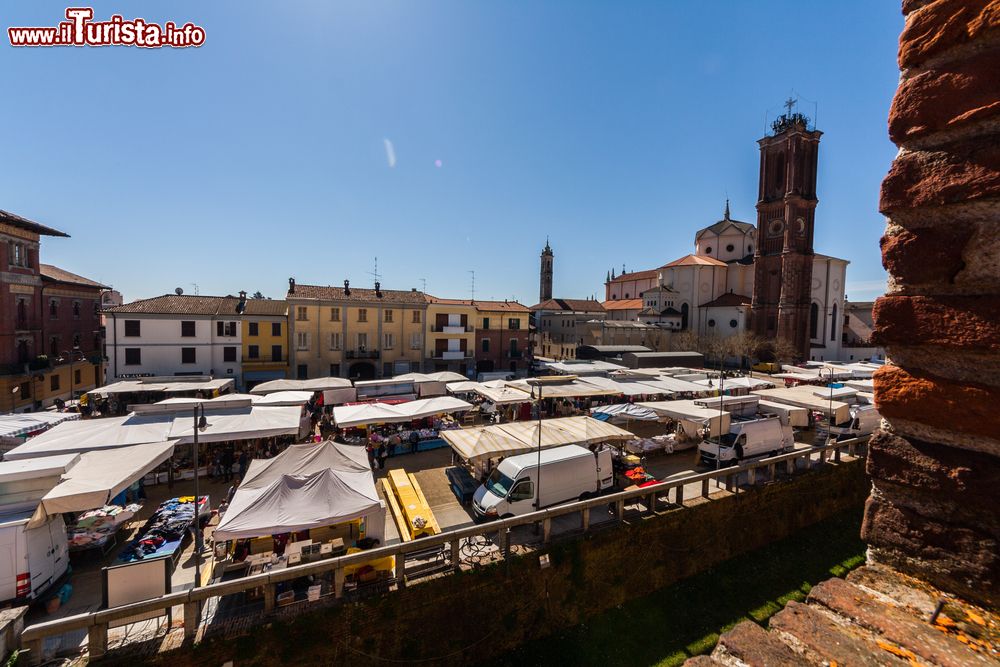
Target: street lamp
x=538 y=383
x=200 y=423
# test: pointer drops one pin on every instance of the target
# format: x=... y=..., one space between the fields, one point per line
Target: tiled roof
x=180 y=304
x=23 y=223
x=622 y=304
x=55 y=274
x=358 y=294
x=728 y=299
x=266 y=307
x=482 y=306
x=695 y=260
x=723 y=225
x=584 y=305
x=635 y=275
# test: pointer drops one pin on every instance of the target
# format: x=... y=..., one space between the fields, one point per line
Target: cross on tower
x=789 y=103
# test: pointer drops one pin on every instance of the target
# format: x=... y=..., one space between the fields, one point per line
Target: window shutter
x=218 y=328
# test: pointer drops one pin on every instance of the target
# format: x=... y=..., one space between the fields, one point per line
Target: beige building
x=451 y=335
x=355 y=333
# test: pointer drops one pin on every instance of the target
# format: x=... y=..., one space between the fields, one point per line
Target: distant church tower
x=786 y=206
x=545 y=281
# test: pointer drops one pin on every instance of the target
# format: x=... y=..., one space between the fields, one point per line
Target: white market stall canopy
x=569 y=389
x=90 y=434
x=689 y=411
x=384 y=413
x=102 y=474
x=483 y=442
x=498 y=393
x=624 y=412
x=165 y=385
x=668 y=384
x=14 y=425
x=742 y=382
x=293 y=503
x=626 y=388
x=443 y=376
x=837 y=393
x=463 y=387
x=301 y=460
x=282 y=398
x=735 y=405
x=246 y=423
x=314 y=385
x=583 y=367
x=804 y=397
x=789 y=414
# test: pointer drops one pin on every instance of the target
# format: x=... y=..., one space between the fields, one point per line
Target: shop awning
x=382 y=413
x=315 y=384
x=293 y=503
x=14 y=425
x=247 y=423
x=305 y=460
x=91 y=434
x=101 y=475
x=483 y=442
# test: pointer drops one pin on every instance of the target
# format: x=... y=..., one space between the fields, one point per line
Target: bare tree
x=686 y=341
x=749 y=345
x=782 y=350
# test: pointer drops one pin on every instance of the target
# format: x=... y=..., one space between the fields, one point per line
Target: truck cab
x=753 y=438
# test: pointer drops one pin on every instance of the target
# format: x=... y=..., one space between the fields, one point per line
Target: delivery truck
x=753 y=438
x=864 y=420
x=565 y=473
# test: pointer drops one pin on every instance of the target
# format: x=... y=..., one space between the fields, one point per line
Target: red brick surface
x=926 y=255
x=962 y=171
x=941 y=25
x=962 y=407
x=756 y=647
x=824 y=638
x=952 y=321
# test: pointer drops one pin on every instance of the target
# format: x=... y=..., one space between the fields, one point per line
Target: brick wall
x=935 y=468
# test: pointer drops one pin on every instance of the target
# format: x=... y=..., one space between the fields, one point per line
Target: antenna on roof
x=423 y=281
x=473 y=285
x=375 y=274
x=197 y=292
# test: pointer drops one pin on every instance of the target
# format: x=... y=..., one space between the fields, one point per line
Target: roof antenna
x=375 y=274
x=474 y=285
x=424 y=282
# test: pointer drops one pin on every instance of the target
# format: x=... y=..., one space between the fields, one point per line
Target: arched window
x=814 y=320
x=833 y=323
x=684 y=316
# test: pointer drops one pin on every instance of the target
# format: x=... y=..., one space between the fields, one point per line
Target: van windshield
x=729 y=439
x=499 y=484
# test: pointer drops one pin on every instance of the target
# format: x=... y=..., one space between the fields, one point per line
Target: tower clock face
x=775 y=227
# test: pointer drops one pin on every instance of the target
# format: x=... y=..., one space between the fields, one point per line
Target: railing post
x=651 y=503
x=620 y=509
x=790 y=466
x=850 y=448
x=505 y=542
x=338 y=582
x=730 y=483
x=456 y=558
x=585 y=518
x=823 y=453
x=772 y=472
x=836 y=455
x=192 y=618
x=751 y=476
x=269 y=598
x=97 y=641
x=34 y=649
x=401 y=571
x=704 y=488
x=546 y=529
x=680 y=495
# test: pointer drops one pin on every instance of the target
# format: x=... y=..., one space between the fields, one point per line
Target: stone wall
x=935 y=468
x=470 y=617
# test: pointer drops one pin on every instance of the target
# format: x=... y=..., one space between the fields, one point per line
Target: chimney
x=291 y=285
x=347 y=288
x=378 y=289
x=242 y=305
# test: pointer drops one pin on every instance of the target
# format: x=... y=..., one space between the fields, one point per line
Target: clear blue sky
x=616 y=128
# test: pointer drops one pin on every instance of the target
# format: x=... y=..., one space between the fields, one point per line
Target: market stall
x=416 y=425
x=805 y=397
x=93 y=434
x=430 y=384
x=335 y=390
x=163 y=534
x=695 y=420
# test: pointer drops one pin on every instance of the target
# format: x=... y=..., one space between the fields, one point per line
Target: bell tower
x=545 y=280
x=786 y=207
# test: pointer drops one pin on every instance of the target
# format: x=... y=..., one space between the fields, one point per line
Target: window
x=253 y=329
x=302 y=371
x=362 y=314
x=25 y=390
x=132 y=327
x=335 y=314
x=523 y=490
x=334 y=370
x=189 y=355
x=17 y=254
x=486 y=345
x=362 y=342
x=275 y=328
x=711 y=323
x=225 y=328
x=133 y=356
x=300 y=314
x=335 y=341
x=389 y=341
x=276 y=353
x=253 y=352
x=486 y=323
x=54 y=382
x=814 y=320
x=54 y=346
x=22 y=312
x=76 y=310
x=229 y=354
x=387 y=315
x=684 y=316
x=513 y=323
x=187 y=329
x=387 y=369
x=749 y=248
x=833 y=323
x=54 y=308
x=730 y=247
x=302 y=340
x=76 y=375
x=415 y=341
x=76 y=341
x=733 y=323
x=97 y=308
x=708 y=251
x=416 y=317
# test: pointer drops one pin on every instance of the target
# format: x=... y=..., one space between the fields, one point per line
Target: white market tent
x=482 y=442
x=624 y=412
x=583 y=367
x=497 y=391
x=735 y=405
x=384 y=413
x=92 y=434
x=313 y=385
x=624 y=388
x=282 y=398
x=102 y=474
x=803 y=397
x=668 y=384
x=292 y=503
x=14 y=425
x=570 y=389
x=431 y=384
x=742 y=382
x=243 y=423
x=690 y=413
x=838 y=394
x=463 y=387
x=790 y=415
x=301 y=460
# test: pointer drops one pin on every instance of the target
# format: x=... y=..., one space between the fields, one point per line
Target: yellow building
x=451 y=335
x=355 y=333
x=265 y=341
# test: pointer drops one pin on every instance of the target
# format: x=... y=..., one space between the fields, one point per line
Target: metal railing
x=96 y=623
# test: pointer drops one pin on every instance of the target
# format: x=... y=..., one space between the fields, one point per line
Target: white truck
x=33 y=548
x=864 y=420
x=753 y=438
x=566 y=473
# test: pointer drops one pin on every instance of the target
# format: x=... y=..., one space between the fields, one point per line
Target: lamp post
x=199 y=423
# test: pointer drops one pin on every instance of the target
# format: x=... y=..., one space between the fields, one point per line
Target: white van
x=748 y=439
x=31 y=558
x=864 y=420
x=566 y=473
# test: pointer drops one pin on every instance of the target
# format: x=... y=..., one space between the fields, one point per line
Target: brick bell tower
x=545 y=277
x=786 y=206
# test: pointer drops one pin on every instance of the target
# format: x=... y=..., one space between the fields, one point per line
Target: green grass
x=669 y=626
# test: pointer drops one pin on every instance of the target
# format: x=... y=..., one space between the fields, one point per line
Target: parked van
x=32 y=557
x=864 y=420
x=566 y=473
x=748 y=439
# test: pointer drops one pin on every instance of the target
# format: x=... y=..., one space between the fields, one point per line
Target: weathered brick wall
x=935 y=469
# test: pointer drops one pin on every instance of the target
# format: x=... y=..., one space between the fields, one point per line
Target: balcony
x=452 y=355
x=361 y=354
x=452 y=329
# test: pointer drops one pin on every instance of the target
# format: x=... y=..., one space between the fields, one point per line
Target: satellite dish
x=178 y=291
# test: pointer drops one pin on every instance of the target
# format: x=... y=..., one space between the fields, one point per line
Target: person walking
x=227 y=464
x=243 y=461
x=381 y=454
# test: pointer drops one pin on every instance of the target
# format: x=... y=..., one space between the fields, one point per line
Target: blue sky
x=616 y=128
